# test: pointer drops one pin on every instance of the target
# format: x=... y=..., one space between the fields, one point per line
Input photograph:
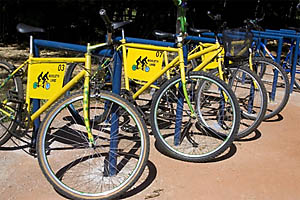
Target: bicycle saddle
x=117 y=25
x=195 y=30
x=24 y=28
x=161 y=34
x=294 y=28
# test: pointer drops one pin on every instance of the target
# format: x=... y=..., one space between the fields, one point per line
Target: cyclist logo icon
x=42 y=81
x=141 y=64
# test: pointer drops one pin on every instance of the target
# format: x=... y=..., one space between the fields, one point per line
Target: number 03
x=61 y=67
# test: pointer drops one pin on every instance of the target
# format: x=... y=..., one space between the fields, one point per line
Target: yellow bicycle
x=194 y=116
x=245 y=83
x=91 y=144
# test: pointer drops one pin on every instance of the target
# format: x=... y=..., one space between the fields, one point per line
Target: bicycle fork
x=183 y=80
x=86 y=102
x=178 y=137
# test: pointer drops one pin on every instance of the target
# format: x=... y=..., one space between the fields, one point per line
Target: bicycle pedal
x=18 y=133
x=13 y=97
x=32 y=148
x=32 y=151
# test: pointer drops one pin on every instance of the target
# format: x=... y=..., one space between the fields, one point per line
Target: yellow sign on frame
x=142 y=64
x=45 y=79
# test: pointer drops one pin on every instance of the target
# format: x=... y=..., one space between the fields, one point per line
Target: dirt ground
x=265 y=165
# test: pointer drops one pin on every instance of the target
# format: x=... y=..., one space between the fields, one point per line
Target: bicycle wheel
x=210 y=133
x=251 y=95
x=111 y=166
x=8 y=105
x=276 y=83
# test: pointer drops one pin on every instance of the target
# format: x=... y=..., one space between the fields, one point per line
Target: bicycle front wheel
x=114 y=162
x=276 y=83
x=195 y=139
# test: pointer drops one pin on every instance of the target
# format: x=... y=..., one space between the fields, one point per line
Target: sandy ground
x=263 y=166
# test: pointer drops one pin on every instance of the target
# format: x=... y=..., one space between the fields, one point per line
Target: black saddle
x=24 y=28
x=199 y=31
x=161 y=34
x=294 y=28
x=117 y=25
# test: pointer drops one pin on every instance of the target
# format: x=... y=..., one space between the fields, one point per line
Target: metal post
x=114 y=132
x=294 y=64
x=35 y=102
x=180 y=102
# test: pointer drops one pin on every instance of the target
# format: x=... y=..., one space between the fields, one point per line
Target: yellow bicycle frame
x=86 y=73
x=179 y=59
x=212 y=51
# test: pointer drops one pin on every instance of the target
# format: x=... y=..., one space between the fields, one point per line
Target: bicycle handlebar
x=216 y=17
x=108 y=25
x=106 y=20
x=253 y=23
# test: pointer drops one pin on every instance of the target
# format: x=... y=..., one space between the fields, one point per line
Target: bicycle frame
x=214 y=50
x=179 y=59
x=84 y=73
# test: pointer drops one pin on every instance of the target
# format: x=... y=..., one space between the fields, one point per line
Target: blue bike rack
x=69 y=47
x=201 y=39
x=264 y=36
x=146 y=41
x=291 y=36
x=260 y=36
x=261 y=39
x=209 y=38
x=257 y=37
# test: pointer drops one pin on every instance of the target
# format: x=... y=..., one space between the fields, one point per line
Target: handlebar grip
x=210 y=15
x=216 y=17
x=260 y=19
x=106 y=20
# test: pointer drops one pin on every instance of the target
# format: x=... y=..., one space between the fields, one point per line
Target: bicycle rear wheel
x=103 y=171
x=8 y=107
x=210 y=133
x=276 y=83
